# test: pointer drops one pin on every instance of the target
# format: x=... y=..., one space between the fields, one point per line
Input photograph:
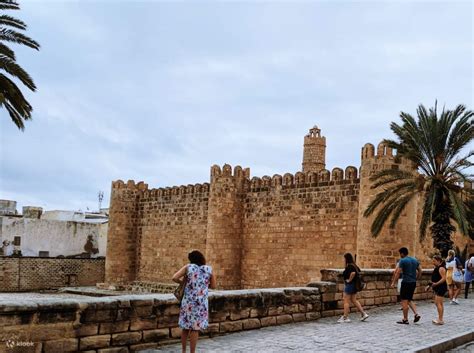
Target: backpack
x=470 y=266
x=359 y=283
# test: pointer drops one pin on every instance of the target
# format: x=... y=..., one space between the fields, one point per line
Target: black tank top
x=435 y=277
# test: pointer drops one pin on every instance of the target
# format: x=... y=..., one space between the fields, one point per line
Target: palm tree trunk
x=442 y=229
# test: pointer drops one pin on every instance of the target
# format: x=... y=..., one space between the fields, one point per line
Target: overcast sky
x=160 y=91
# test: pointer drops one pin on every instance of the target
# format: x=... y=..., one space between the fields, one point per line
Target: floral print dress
x=194 y=313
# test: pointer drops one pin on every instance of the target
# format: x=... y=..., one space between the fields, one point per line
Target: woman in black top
x=439 y=287
x=350 y=276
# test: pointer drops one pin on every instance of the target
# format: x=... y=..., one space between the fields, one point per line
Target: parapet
x=300 y=179
x=161 y=192
x=130 y=185
x=368 y=151
x=226 y=170
x=181 y=190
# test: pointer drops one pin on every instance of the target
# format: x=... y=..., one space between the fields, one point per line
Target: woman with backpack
x=352 y=283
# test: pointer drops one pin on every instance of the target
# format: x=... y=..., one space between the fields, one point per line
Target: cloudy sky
x=160 y=91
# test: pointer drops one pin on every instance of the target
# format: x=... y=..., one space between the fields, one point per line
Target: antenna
x=100 y=196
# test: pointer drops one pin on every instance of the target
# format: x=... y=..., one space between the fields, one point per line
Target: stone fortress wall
x=259 y=232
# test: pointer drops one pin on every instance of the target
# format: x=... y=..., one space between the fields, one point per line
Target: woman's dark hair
x=439 y=259
x=349 y=259
x=196 y=257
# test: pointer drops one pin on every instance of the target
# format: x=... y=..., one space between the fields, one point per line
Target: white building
x=53 y=233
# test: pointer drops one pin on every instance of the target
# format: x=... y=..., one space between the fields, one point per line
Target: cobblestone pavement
x=379 y=333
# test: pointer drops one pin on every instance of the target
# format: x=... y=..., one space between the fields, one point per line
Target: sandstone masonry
x=260 y=232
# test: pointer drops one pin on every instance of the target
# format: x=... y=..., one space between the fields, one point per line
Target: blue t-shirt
x=409 y=265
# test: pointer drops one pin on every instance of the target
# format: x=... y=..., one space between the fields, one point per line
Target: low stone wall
x=377 y=292
x=135 y=322
x=149 y=287
x=129 y=323
x=21 y=274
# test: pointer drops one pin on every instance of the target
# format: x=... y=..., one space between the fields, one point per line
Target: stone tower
x=122 y=237
x=224 y=226
x=314 y=153
x=382 y=252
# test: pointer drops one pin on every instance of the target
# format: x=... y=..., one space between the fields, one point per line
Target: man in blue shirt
x=410 y=269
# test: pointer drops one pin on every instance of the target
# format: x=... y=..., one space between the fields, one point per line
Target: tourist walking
x=410 y=270
x=399 y=287
x=351 y=276
x=468 y=274
x=439 y=287
x=454 y=276
x=194 y=311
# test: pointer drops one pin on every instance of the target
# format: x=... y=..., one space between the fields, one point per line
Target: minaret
x=314 y=152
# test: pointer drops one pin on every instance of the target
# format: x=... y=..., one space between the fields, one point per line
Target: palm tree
x=434 y=146
x=10 y=95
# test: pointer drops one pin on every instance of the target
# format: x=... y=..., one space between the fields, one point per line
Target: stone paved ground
x=379 y=333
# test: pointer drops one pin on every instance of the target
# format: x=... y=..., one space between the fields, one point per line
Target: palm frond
x=459 y=212
x=6 y=20
x=403 y=202
x=9 y=5
x=427 y=211
x=10 y=35
x=16 y=70
x=384 y=213
x=4 y=50
x=382 y=197
x=16 y=104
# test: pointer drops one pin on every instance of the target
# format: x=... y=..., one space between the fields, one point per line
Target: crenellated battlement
x=180 y=190
x=226 y=171
x=300 y=179
x=383 y=151
x=131 y=185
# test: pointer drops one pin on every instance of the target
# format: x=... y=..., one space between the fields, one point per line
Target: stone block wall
x=20 y=274
x=377 y=292
x=172 y=221
x=261 y=232
x=296 y=226
x=132 y=323
x=135 y=322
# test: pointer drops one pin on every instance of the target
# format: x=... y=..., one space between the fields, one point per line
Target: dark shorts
x=440 y=291
x=407 y=290
x=350 y=288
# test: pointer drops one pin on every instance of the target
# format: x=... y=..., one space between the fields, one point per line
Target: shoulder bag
x=458 y=276
x=179 y=291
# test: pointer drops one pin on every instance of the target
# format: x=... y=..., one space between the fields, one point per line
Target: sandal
x=437 y=322
x=403 y=322
x=417 y=318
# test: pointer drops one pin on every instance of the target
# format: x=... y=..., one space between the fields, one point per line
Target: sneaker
x=343 y=319
x=417 y=318
x=455 y=301
x=364 y=317
x=451 y=302
x=437 y=322
x=403 y=322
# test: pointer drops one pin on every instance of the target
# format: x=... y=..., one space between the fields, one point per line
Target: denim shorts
x=350 y=288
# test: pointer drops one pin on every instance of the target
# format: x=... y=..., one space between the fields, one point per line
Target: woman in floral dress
x=194 y=313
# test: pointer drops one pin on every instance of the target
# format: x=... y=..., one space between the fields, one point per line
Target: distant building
x=51 y=233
